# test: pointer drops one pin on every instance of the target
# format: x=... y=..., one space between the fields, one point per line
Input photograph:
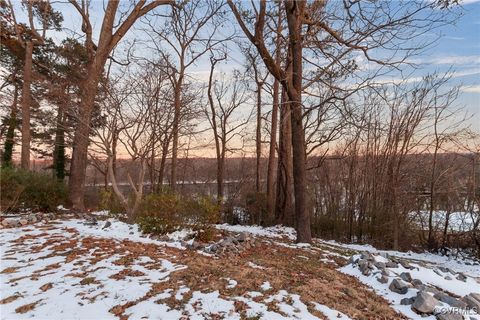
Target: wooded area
x=316 y=126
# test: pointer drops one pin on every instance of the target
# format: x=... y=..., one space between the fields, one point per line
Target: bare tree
x=190 y=33
x=115 y=24
x=225 y=98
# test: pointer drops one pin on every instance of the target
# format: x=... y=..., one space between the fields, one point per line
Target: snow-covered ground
x=73 y=270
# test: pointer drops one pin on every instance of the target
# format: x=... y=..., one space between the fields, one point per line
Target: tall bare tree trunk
x=26 y=105
x=258 y=134
x=175 y=128
x=284 y=213
x=273 y=129
x=295 y=12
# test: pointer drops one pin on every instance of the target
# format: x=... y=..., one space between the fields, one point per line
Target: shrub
x=164 y=213
x=26 y=189
x=256 y=207
x=110 y=202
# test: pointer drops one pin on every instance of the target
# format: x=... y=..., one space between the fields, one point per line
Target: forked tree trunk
x=26 y=106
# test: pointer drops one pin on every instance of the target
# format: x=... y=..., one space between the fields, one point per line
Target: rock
x=407 y=301
x=195 y=245
x=449 y=316
x=380 y=265
x=32 y=218
x=364 y=266
x=424 y=303
x=213 y=248
x=398 y=286
x=23 y=222
x=438 y=272
x=443 y=269
x=475 y=296
x=417 y=283
x=10 y=222
x=462 y=277
x=448 y=278
x=405 y=276
x=385 y=272
x=367 y=256
x=352 y=260
x=164 y=238
x=405 y=264
x=471 y=302
x=382 y=279
x=391 y=264
x=242 y=237
x=107 y=224
x=445 y=298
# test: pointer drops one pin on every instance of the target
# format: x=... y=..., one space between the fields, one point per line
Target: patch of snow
x=270 y=232
x=266 y=286
x=231 y=284
x=255 y=266
x=331 y=314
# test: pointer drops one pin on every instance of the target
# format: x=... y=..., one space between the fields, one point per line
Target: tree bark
x=175 y=128
x=26 y=105
x=295 y=11
x=273 y=129
x=284 y=213
x=76 y=182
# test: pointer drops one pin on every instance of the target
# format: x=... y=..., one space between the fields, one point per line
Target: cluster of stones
x=25 y=219
x=428 y=297
x=230 y=244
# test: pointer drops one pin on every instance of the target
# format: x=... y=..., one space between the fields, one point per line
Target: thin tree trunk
x=26 y=105
x=284 y=196
x=59 y=149
x=10 y=136
x=258 y=133
x=273 y=130
x=176 y=126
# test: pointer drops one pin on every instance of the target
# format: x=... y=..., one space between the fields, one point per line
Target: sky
x=457 y=51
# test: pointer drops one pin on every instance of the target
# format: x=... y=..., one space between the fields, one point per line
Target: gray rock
x=213 y=248
x=453 y=302
x=448 y=278
x=23 y=222
x=443 y=269
x=386 y=273
x=391 y=264
x=364 y=266
x=352 y=260
x=471 y=302
x=475 y=296
x=398 y=286
x=32 y=218
x=449 y=316
x=382 y=279
x=437 y=272
x=405 y=264
x=10 y=222
x=417 y=283
x=107 y=225
x=242 y=237
x=407 y=301
x=380 y=265
x=462 y=277
x=405 y=276
x=424 y=303
x=367 y=256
